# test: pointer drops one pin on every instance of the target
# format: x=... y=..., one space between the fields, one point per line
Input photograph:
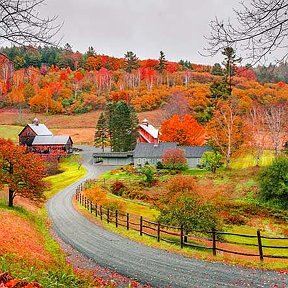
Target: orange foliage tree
x=22 y=172
x=184 y=130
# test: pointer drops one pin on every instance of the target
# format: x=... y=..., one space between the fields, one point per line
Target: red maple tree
x=22 y=172
x=184 y=130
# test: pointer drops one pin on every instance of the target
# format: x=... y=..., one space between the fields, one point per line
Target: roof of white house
x=149 y=129
x=149 y=150
x=50 y=140
x=40 y=129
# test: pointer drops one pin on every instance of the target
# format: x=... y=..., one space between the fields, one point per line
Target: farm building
x=148 y=133
x=151 y=153
x=39 y=139
x=113 y=158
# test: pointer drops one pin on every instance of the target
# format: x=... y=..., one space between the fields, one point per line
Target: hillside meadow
x=80 y=127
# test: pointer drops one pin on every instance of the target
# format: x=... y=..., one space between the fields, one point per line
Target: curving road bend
x=147 y=265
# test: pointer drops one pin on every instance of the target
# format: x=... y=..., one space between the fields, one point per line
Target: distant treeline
x=65 y=57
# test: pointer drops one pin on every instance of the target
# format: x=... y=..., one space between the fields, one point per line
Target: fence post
x=141 y=225
x=158 y=231
x=108 y=220
x=116 y=218
x=101 y=214
x=85 y=202
x=181 y=236
x=127 y=221
x=214 y=241
x=96 y=210
x=260 y=245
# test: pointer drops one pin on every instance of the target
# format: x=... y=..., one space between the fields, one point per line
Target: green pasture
x=10 y=132
x=248 y=160
x=135 y=208
x=71 y=172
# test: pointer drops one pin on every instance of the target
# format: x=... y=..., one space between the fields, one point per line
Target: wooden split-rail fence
x=253 y=246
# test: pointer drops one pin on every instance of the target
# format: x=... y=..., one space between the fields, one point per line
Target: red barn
x=148 y=133
x=39 y=139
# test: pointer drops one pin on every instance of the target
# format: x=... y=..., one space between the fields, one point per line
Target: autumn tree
x=22 y=172
x=102 y=132
x=226 y=129
x=257 y=126
x=123 y=126
x=276 y=119
x=182 y=129
x=262 y=28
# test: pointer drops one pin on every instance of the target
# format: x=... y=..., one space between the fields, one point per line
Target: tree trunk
x=11 y=198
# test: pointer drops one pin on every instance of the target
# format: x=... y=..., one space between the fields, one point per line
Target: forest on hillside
x=58 y=80
x=227 y=99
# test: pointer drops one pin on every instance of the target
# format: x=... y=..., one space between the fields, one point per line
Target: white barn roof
x=50 y=140
x=40 y=129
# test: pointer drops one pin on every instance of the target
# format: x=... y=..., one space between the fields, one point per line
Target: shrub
x=114 y=206
x=117 y=188
x=159 y=165
x=174 y=159
x=96 y=195
x=182 y=184
x=149 y=172
x=274 y=183
x=212 y=160
x=190 y=212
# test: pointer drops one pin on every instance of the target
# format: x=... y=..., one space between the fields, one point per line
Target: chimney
x=145 y=122
x=35 y=122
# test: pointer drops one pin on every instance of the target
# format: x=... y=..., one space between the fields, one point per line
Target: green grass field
x=10 y=132
x=71 y=173
x=247 y=160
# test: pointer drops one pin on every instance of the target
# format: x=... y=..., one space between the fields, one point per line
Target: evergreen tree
x=186 y=65
x=123 y=126
x=229 y=63
x=217 y=69
x=131 y=62
x=102 y=132
x=161 y=67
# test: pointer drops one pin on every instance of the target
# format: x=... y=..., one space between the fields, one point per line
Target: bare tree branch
x=21 y=24
x=262 y=28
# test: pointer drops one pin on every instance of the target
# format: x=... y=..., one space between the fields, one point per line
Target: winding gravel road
x=147 y=265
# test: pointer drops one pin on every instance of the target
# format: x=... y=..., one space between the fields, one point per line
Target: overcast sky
x=145 y=27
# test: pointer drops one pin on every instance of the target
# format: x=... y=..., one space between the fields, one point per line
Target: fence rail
x=178 y=236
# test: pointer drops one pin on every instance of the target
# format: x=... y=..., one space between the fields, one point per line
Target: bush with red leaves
x=6 y=281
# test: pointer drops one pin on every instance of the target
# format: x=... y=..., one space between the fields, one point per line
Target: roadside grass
x=49 y=268
x=71 y=173
x=135 y=208
x=10 y=132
